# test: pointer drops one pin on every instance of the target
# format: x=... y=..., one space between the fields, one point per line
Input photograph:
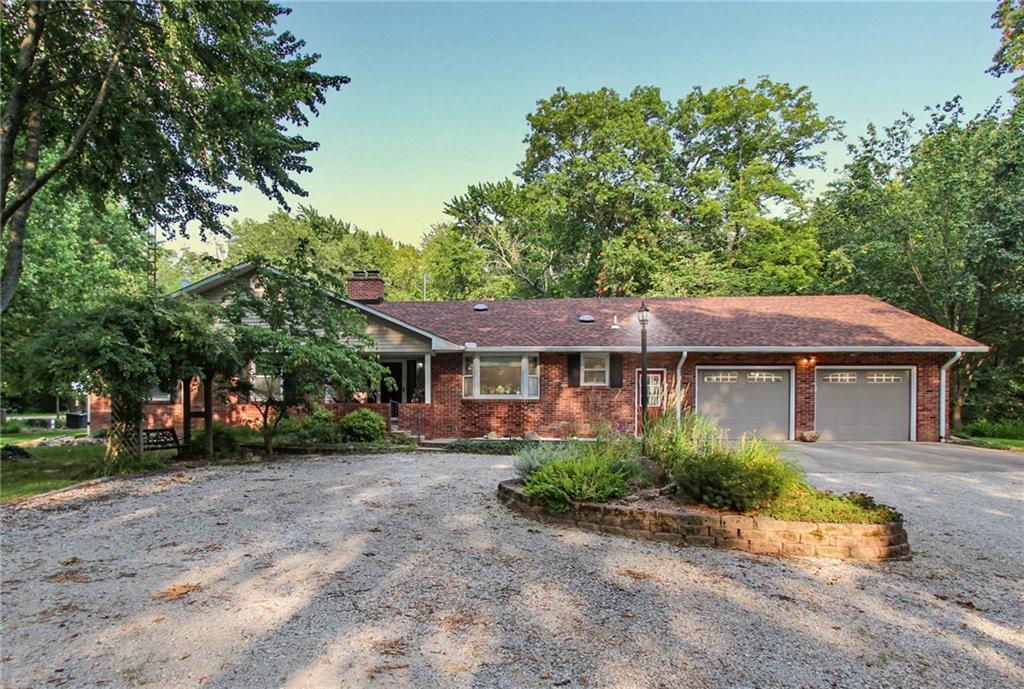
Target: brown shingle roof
x=813 y=322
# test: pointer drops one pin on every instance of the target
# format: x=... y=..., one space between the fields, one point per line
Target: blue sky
x=439 y=92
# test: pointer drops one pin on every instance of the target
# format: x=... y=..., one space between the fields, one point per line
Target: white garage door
x=863 y=404
x=746 y=400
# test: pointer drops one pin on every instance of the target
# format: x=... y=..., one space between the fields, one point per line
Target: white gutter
x=910 y=349
x=679 y=386
x=943 y=397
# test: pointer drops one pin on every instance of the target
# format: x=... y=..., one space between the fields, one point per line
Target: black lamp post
x=643 y=315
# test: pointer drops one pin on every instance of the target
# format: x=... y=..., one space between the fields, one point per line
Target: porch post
x=426 y=378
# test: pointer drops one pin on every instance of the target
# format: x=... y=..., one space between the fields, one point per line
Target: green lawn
x=8 y=438
x=56 y=467
x=1001 y=443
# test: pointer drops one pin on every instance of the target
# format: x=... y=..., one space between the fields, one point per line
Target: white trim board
x=897 y=367
x=749 y=367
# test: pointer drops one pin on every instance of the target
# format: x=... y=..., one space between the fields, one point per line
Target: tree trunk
x=957 y=397
x=124 y=439
x=208 y=414
x=14 y=229
x=186 y=416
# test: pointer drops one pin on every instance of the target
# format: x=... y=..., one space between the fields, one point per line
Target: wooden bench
x=160 y=439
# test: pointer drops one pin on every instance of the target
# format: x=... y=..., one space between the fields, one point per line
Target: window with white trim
x=764 y=377
x=884 y=378
x=721 y=377
x=841 y=377
x=265 y=386
x=594 y=369
x=158 y=395
x=501 y=375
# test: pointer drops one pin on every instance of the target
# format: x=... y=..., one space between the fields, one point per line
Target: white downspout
x=943 y=397
x=679 y=387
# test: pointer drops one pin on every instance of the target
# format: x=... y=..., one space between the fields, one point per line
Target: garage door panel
x=746 y=401
x=863 y=404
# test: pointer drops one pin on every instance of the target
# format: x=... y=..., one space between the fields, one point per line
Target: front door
x=655 y=395
x=395 y=371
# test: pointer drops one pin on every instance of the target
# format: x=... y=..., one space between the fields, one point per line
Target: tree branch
x=79 y=138
x=14 y=241
x=10 y=123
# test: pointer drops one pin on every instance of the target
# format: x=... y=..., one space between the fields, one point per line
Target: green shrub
x=226 y=439
x=362 y=425
x=589 y=476
x=742 y=478
x=535 y=455
x=804 y=503
x=11 y=428
x=1006 y=428
x=508 y=446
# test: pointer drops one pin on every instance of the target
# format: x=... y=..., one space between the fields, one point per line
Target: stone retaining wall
x=867 y=542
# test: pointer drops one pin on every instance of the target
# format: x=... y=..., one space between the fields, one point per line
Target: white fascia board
x=741 y=350
x=213 y=280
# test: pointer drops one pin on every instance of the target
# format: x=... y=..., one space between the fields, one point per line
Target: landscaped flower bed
x=705 y=527
x=695 y=488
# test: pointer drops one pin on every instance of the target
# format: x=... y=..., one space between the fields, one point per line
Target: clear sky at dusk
x=439 y=92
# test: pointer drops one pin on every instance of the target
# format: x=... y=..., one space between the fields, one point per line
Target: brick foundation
x=865 y=542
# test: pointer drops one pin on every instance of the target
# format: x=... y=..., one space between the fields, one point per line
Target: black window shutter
x=615 y=372
x=573 y=364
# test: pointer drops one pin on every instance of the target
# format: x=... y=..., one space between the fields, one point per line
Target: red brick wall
x=560 y=411
x=563 y=410
x=228 y=411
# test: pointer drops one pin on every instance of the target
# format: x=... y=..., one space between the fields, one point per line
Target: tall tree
x=933 y=221
x=615 y=191
x=77 y=256
x=298 y=348
x=458 y=268
x=1009 y=20
x=338 y=246
x=163 y=105
x=123 y=349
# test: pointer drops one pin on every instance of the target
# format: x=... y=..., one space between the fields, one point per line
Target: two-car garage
x=850 y=403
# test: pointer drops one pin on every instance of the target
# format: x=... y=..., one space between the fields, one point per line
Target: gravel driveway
x=404 y=570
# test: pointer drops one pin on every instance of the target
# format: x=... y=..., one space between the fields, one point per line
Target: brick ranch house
x=849 y=367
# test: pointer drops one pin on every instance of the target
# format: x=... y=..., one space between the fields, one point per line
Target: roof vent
x=586 y=318
x=615 y=323
x=481 y=307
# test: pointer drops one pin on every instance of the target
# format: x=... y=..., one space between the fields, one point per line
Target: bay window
x=501 y=375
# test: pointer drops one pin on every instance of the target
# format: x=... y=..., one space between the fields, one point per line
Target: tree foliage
x=300 y=347
x=933 y=221
x=161 y=104
x=337 y=246
x=123 y=349
x=77 y=256
x=615 y=192
x=1008 y=19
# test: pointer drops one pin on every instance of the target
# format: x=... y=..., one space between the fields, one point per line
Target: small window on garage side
x=764 y=377
x=594 y=369
x=841 y=377
x=884 y=378
x=721 y=377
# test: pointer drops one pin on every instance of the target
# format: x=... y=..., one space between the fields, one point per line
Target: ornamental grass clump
x=594 y=471
x=707 y=468
x=592 y=477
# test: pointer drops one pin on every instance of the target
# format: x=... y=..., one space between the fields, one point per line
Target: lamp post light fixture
x=643 y=315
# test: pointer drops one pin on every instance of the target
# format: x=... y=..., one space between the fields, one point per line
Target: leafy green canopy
x=162 y=104
x=933 y=221
x=636 y=195
x=301 y=342
x=336 y=246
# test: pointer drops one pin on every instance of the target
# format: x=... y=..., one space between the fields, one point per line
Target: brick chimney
x=366 y=286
